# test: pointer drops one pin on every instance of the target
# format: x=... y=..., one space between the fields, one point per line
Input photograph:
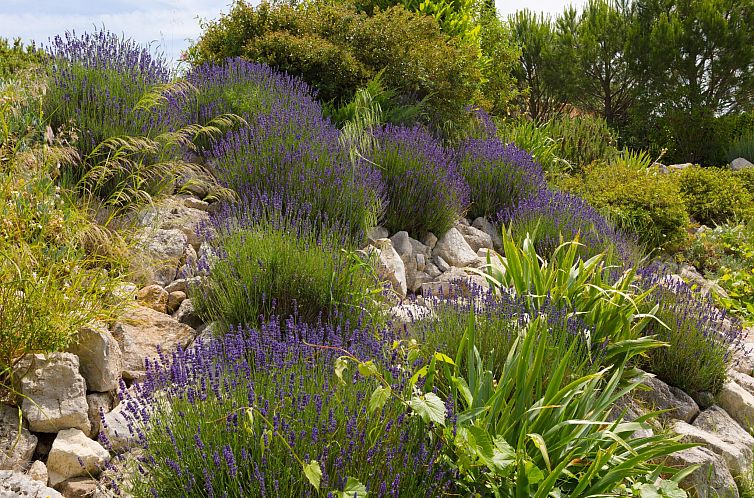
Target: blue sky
x=168 y=24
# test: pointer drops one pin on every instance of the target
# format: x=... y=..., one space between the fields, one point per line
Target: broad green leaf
x=539 y=442
x=444 y=358
x=368 y=368
x=429 y=407
x=340 y=365
x=313 y=473
x=379 y=398
x=353 y=488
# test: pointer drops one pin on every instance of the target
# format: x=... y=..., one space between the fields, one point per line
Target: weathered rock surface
x=402 y=244
x=38 y=472
x=407 y=313
x=376 y=233
x=187 y=315
x=661 y=396
x=740 y=163
x=153 y=296
x=117 y=427
x=484 y=225
x=15 y=450
x=711 y=479
x=716 y=420
x=737 y=457
x=140 y=331
x=390 y=266
x=164 y=249
x=429 y=240
x=194 y=203
x=98 y=402
x=174 y=300
x=738 y=402
x=54 y=392
x=100 y=358
x=454 y=249
x=476 y=238
x=18 y=485
x=74 y=455
x=494 y=259
x=79 y=487
x=173 y=214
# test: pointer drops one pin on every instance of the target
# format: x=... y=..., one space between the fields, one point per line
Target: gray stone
x=432 y=270
x=429 y=240
x=100 y=358
x=98 y=403
x=421 y=262
x=711 y=479
x=194 y=203
x=18 y=485
x=402 y=244
x=187 y=314
x=420 y=248
x=737 y=457
x=661 y=396
x=715 y=419
x=141 y=330
x=174 y=300
x=680 y=166
x=407 y=313
x=74 y=455
x=16 y=449
x=377 y=233
x=476 y=238
x=494 y=263
x=441 y=264
x=738 y=402
x=79 y=487
x=172 y=214
x=740 y=163
x=454 y=249
x=390 y=267
x=484 y=225
x=38 y=472
x=436 y=289
x=183 y=284
x=125 y=291
x=163 y=251
x=464 y=283
x=54 y=392
x=417 y=279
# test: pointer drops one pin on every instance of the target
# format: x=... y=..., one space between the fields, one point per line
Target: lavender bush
x=499 y=176
x=551 y=217
x=425 y=190
x=280 y=257
x=95 y=83
x=243 y=415
x=295 y=151
x=701 y=345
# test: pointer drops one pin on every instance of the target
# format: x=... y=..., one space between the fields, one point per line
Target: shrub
x=426 y=193
x=276 y=258
x=499 y=176
x=15 y=58
x=700 y=351
x=714 y=195
x=294 y=152
x=535 y=140
x=746 y=177
x=248 y=414
x=551 y=217
x=337 y=50
x=642 y=201
x=582 y=139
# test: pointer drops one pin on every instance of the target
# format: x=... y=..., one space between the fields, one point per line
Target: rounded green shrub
x=643 y=201
x=714 y=195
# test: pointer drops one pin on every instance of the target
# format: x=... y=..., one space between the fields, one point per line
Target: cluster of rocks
x=431 y=266
x=737 y=164
x=50 y=440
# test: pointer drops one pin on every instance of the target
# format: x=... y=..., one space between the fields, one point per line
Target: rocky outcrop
x=454 y=250
x=390 y=266
x=660 y=396
x=738 y=402
x=18 y=485
x=74 y=455
x=711 y=479
x=737 y=456
x=54 y=393
x=476 y=238
x=100 y=358
x=16 y=442
x=143 y=332
x=163 y=251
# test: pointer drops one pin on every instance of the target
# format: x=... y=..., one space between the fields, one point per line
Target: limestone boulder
x=17 y=485
x=153 y=296
x=738 y=402
x=711 y=479
x=484 y=225
x=98 y=403
x=402 y=244
x=454 y=249
x=100 y=358
x=38 y=472
x=390 y=266
x=716 y=420
x=658 y=395
x=74 y=455
x=740 y=163
x=162 y=251
x=187 y=314
x=174 y=300
x=54 y=392
x=16 y=442
x=737 y=456
x=173 y=214
x=79 y=487
x=475 y=237
x=141 y=331
x=377 y=233
x=408 y=313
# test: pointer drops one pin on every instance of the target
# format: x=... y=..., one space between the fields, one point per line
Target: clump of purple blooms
x=551 y=217
x=702 y=337
x=96 y=81
x=242 y=406
x=499 y=175
x=426 y=192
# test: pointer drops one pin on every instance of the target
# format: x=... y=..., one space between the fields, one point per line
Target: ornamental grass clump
x=551 y=217
x=262 y=412
x=276 y=257
x=425 y=190
x=701 y=344
x=95 y=83
x=499 y=176
x=295 y=152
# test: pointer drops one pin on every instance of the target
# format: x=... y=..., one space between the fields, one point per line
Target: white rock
x=738 y=402
x=402 y=244
x=172 y=213
x=737 y=457
x=407 y=313
x=18 y=485
x=432 y=270
x=740 y=163
x=73 y=455
x=140 y=331
x=100 y=358
x=476 y=238
x=377 y=233
x=15 y=450
x=661 y=396
x=430 y=240
x=484 y=225
x=390 y=267
x=194 y=203
x=54 y=392
x=454 y=249
x=716 y=420
x=711 y=479
x=38 y=472
x=163 y=249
